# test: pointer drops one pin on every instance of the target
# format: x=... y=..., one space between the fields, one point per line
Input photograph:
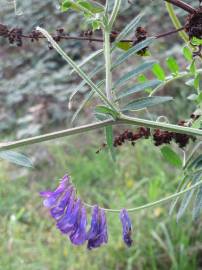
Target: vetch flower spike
x=127 y=227
x=67 y=210
x=97 y=234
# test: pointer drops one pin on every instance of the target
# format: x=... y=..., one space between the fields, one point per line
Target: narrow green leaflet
x=87 y=60
x=171 y=156
x=158 y=71
x=16 y=158
x=188 y=196
x=135 y=72
x=129 y=27
x=105 y=110
x=138 y=87
x=146 y=102
x=194 y=164
x=83 y=82
x=81 y=106
x=197 y=209
x=172 y=65
x=109 y=139
x=187 y=53
x=88 y=97
x=182 y=185
x=197 y=82
x=91 y=7
x=126 y=55
x=192 y=67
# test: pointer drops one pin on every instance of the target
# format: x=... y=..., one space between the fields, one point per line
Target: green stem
x=164 y=126
x=107 y=53
x=170 y=80
x=176 y=22
x=82 y=129
x=145 y=206
x=76 y=67
x=115 y=12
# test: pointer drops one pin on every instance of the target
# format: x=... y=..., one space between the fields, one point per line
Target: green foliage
x=146 y=102
x=171 y=156
x=130 y=52
x=135 y=72
x=16 y=158
x=158 y=72
x=172 y=65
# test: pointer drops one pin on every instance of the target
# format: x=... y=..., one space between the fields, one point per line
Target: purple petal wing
x=127 y=227
x=78 y=236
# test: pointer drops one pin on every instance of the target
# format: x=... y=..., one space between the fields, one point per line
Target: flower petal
x=97 y=234
x=51 y=197
x=78 y=236
x=127 y=227
x=59 y=209
x=67 y=223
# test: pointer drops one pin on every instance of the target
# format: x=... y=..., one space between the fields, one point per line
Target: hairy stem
x=82 y=129
x=107 y=53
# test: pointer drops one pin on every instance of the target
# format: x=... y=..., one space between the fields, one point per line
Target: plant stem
x=115 y=12
x=107 y=53
x=176 y=22
x=182 y=5
x=82 y=129
x=172 y=79
x=148 y=205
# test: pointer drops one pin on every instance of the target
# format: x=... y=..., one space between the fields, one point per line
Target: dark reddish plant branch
x=16 y=36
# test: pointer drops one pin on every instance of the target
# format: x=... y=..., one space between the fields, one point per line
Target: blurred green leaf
x=146 y=102
x=188 y=196
x=129 y=27
x=105 y=110
x=197 y=81
x=109 y=139
x=137 y=88
x=192 y=67
x=135 y=72
x=197 y=209
x=171 y=156
x=132 y=51
x=187 y=53
x=196 y=41
x=124 y=45
x=172 y=65
x=94 y=8
x=159 y=72
x=16 y=158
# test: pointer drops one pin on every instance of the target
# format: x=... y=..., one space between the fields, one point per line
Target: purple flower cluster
x=70 y=215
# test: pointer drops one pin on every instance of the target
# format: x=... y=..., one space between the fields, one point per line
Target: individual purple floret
x=67 y=210
x=51 y=197
x=97 y=234
x=78 y=235
x=127 y=227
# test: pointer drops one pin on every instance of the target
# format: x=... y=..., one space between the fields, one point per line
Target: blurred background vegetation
x=34 y=92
